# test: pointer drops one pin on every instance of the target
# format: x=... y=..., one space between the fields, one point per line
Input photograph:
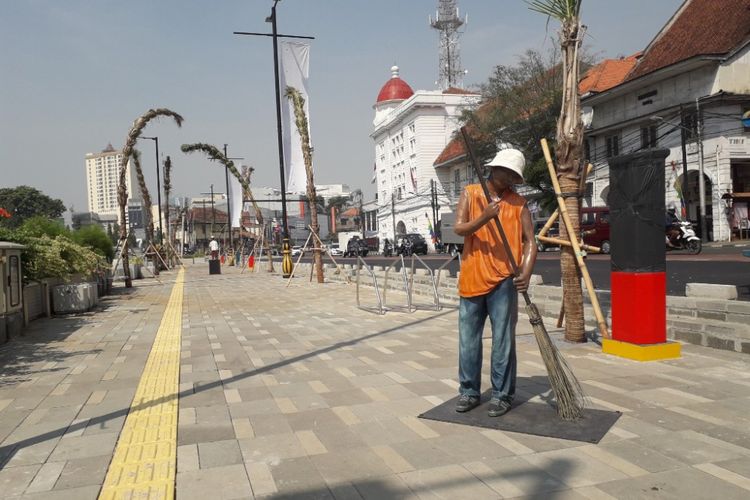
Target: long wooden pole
x=601 y=322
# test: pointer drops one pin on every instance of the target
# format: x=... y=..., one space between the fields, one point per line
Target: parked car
x=335 y=249
x=356 y=246
x=552 y=232
x=296 y=250
x=418 y=243
x=595 y=227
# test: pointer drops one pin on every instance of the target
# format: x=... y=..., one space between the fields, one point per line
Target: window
x=648 y=137
x=457 y=182
x=587 y=150
x=613 y=145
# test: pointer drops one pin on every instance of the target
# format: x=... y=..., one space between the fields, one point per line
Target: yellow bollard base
x=641 y=352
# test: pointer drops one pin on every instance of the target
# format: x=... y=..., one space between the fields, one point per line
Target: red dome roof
x=395 y=89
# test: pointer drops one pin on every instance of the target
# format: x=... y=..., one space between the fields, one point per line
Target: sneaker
x=466 y=403
x=498 y=407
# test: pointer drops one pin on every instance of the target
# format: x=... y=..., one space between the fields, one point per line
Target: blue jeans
x=501 y=304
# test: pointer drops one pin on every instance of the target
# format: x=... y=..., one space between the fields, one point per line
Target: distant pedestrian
x=213 y=247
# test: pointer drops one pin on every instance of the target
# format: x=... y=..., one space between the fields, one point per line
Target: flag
x=414 y=180
x=294 y=70
x=235 y=197
x=678 y=187
x=374 y=173
x=432 y=230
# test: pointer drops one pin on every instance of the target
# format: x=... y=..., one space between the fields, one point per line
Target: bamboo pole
x=601 y=322
x=559 y=241
x=550 y=222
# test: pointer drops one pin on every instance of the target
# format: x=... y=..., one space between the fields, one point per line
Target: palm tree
x=569 y=151
x=147 y=215
x=301 y=121
x=214 y=153
x=122 y=191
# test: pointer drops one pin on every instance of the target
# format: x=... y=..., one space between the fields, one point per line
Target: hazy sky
x=74 y=74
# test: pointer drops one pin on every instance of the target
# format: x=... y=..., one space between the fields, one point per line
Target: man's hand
x=521 y=282
x=491 y=211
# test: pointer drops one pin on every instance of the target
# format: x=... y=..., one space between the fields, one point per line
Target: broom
x=567 y=389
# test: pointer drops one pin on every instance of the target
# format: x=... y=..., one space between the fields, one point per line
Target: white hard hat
x=512 y=159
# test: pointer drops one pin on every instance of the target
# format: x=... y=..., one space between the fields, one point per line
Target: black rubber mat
x=539 y=419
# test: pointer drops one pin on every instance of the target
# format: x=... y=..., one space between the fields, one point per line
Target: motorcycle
x=686 y=239
x=406 y=248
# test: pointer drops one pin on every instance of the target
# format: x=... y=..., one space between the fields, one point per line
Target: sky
x=74 y=74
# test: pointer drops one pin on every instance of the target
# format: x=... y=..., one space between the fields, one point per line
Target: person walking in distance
x=487 y=286
x=213 y=247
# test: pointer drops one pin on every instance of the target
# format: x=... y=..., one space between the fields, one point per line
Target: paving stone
x=15 y=480
x=228 y=482
x=219 y=453
x=676 y=484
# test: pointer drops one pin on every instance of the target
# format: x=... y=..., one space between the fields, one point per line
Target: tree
x=569 y=150
x=23 y=202
x=521 y=105
x=94 y=237
x=301 y=121
x=122 y=191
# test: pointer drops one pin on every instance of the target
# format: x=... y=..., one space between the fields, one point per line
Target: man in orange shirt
x=486 y=284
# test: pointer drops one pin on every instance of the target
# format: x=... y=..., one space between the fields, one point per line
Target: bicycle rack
x=380 y=309
x=408 y=306
x=439 y=270
x=436 y=301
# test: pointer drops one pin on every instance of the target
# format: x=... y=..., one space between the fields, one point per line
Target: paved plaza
x=296 y=393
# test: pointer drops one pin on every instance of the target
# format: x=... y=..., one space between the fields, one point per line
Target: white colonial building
x=695 y=73
x=410 y=130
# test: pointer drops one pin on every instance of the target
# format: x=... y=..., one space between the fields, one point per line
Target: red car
x=595 y=227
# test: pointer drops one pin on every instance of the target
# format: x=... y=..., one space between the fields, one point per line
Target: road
x=724 y=265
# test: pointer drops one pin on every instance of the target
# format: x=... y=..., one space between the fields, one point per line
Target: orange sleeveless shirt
x=484 y=263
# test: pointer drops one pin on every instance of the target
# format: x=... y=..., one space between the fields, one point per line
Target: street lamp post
x=701 y=180
x=158 y=185
x=286 y=263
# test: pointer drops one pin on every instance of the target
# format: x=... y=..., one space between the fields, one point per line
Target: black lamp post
x=286 y=263
x=158 y=185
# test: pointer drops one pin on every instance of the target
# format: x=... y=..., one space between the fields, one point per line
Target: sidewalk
x=296 y=393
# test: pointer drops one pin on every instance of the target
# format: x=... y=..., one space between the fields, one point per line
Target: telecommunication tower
x=447 y=21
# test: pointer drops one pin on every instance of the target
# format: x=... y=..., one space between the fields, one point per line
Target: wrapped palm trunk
x=301 y=121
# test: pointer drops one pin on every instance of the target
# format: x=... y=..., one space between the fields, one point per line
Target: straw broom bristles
x=565 y=385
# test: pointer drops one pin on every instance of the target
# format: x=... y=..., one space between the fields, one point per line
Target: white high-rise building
x=102 y=177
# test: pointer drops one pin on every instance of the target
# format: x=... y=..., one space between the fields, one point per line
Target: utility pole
x=701 y=181
x=229 y=200
x=683 y=137
x=393 y=214
x=205 y=234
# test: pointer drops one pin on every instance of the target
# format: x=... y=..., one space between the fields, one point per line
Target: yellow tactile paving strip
x=145 y=459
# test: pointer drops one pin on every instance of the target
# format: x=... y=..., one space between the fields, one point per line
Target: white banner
x=235 y=195
x=294 y=69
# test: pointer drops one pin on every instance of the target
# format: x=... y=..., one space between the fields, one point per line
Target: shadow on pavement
x=540 y=484
x=7 y=452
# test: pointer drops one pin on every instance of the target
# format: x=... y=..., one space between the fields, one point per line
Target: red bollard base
x=639 y=318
